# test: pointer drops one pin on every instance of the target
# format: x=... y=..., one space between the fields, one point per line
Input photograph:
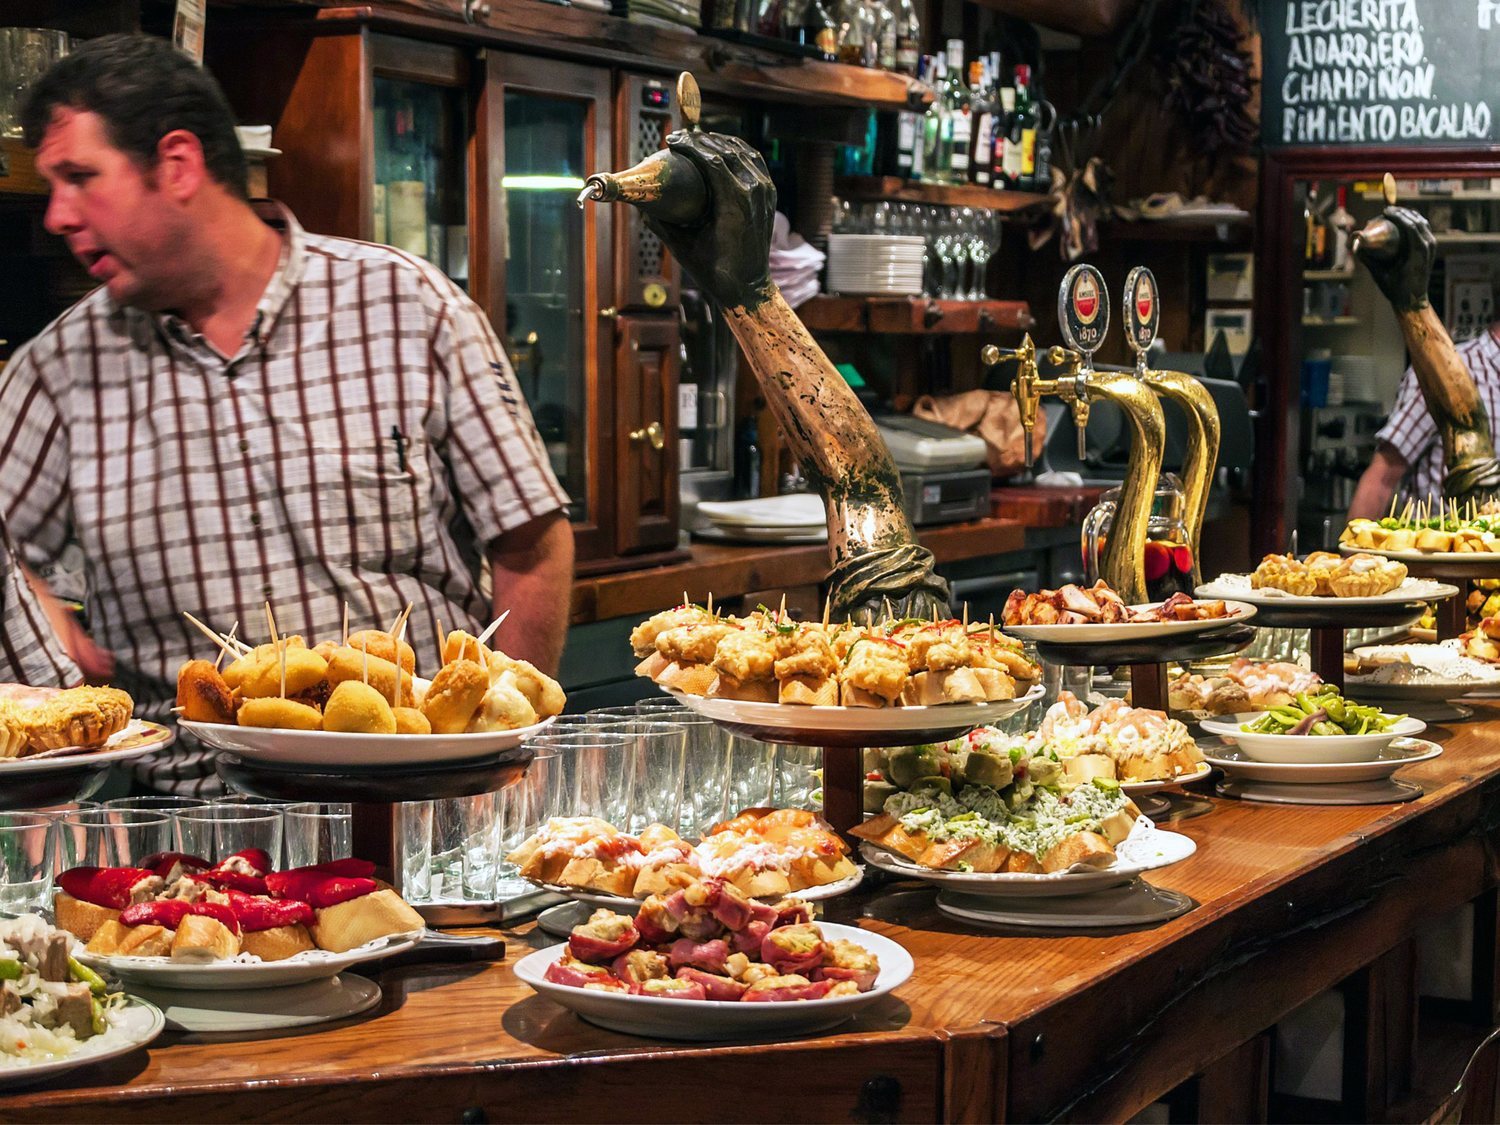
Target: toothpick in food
x=233 y=629
x=490 y=631
x=280 y=650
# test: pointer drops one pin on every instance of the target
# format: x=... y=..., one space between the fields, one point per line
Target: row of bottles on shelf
x=874 y=33
x=1328 y=231
x=974 y=132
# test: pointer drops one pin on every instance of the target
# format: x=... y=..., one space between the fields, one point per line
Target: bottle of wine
x=818 y=30
x=960 y=123
x=406 y=191
x=1341 y=230
x=936 y=136
x=1025 y=129
x=908 y=37
x=982 y=111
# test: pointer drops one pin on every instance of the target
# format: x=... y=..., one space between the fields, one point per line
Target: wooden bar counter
x=993 y=1025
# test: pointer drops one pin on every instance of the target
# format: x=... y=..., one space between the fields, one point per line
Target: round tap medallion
x=1142 y=309
x=1083 y=309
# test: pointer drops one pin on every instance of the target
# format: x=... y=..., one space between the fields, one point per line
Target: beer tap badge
x=1142 y=310
x=1083 y=309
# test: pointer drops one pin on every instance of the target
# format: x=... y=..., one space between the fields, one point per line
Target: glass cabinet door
x=419 y=200
x=554 y=128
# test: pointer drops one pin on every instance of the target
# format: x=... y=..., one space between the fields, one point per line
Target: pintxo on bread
x=768 y=658
x=1100 y=605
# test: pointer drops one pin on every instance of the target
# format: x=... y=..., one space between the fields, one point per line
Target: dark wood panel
x=942 y=195
x=913 y=315
x=645 y=478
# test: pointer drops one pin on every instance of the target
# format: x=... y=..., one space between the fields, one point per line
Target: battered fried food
x=545 y=694
x=456 y=693
x=241 y=667
x=874 y=674
x=273 y=711
x=357 y=708
x=304 y=669
x=502 y=708
x=81 y=716
x=349 y=664
x=383 y=645
x=643 y=636
x=459 y=645
x=202 y=694
x=807 y=671
x=411 y=721
x=745 y=662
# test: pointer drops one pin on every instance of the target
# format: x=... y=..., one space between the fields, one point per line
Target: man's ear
x=180 y=172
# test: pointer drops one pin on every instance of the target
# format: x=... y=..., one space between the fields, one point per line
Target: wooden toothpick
x=441 y=639
x=233 y=629
x=781 y=610
x=827 y=605
x=495 y=624
x=364 y=644
x=345 y=641
x=280 y=650
x=206 y=631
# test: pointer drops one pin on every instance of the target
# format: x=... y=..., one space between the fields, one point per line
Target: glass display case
x=419 y=197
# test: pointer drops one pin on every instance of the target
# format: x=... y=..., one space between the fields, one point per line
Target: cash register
x=945 y=477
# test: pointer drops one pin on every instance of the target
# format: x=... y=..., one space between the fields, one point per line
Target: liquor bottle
x=406 y=190
x=960 y=125
x=885 y=35
x=982 y=111
x=1010 y=168
x=1309 y=236
x=935 y=131
x=1341 y=231
x=908 y=31
x=1026 y=119
x=855 y=33
x=818 y=30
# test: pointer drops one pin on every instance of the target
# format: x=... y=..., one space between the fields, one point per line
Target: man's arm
x=1381 y=478
x=532 y=570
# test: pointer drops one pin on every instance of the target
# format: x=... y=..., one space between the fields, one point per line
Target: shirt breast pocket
x=371 y=508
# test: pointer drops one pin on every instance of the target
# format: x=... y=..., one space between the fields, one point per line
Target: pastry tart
x=12 y=731
x=81 y=716
x=1366 y=576
x=1284 y=572
x=1322 y=565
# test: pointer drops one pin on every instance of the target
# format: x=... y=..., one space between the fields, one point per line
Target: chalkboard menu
x=1380 y=72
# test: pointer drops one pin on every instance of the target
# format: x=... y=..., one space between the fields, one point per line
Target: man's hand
x=1404 y=276
x=728 y=253
x=97 y=664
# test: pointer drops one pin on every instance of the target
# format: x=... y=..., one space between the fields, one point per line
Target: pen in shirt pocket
x=400 y=439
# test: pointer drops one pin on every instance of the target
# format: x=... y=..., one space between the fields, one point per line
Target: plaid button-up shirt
x=365 y=445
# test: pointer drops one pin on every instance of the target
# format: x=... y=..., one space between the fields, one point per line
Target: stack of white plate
x=796 y=518
x=876 y=264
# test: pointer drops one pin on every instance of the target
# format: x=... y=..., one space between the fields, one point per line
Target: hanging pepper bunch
x=1208 y=78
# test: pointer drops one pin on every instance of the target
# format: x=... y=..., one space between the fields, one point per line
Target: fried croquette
x=349 y=664
x=273 y=711
x=411 y=721
x=202 y=694
x=357 y=708
x=543 y=692
x=241 y=667
x=383 y=645
x=304 y=669
x=456 y=693
x=502 y=708
x=459 y=645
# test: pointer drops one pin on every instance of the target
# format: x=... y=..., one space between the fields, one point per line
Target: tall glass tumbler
x=653 y=773
x=217 y=831
x=593 y=766
x=524 y=808
x=26 y=845
x=112 y=837
x=314 y=833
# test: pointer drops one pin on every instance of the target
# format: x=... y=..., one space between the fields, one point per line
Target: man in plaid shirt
x=244 y=411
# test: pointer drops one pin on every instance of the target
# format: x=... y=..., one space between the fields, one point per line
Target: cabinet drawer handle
x=609 y=313
x=652 y=433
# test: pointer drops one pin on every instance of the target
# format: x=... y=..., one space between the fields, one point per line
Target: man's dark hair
x=143 y=88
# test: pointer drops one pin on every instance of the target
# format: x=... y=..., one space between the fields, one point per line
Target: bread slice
x=107 y=938
x=690 y=679
x=885 y=830
x=652 y=666
x=146 y=941
x=278 y=943
x=1023 y=863
x=809 y=691
x=747 y=691
x=996 y=683
x=201 y=938
x=851 y=696
x=348 y=925
x=1087 y=848
x=1083 y=768
x=769 y=883
x=79 y=918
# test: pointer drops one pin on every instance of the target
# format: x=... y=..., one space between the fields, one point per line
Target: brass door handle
x=653 y=433
x=609 y=313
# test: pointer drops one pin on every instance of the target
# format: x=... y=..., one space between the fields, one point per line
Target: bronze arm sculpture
x=709 y=198
x=1398 y=250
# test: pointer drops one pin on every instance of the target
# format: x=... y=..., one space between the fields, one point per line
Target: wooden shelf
x=941 y=195
x=1467 y=237
x=719 y=66
x=913 y=315
x=1327 y=275
x=18 y=174
x=1330 y=321
x=1232 y=230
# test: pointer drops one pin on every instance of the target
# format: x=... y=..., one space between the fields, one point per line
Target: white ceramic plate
x=1486 y=559
x=163 y=972
x=1133 y=788
x=1402 y=752
x=1237 y=586
x=882 y=720
x=1240 y=612
x=615 y=902
x=139 y=737
x=333 y=748
x=1136 y=904
x=132 y=1026
x=660 y=1018
x=1308 y=749
x=1145 y=849
x=264 y=1009
x=801 y=509
x=1382 y=792
x=1362 y=688
x=717 y=534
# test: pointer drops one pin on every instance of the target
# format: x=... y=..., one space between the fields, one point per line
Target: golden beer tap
x=1084 y=313
x=1142 y=311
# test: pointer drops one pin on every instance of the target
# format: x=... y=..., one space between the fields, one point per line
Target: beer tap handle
x=1024 y=386
x=1081 y=425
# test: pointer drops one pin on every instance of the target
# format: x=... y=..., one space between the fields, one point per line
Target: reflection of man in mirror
x=1437 y=440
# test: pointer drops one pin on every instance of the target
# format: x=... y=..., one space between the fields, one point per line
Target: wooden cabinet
x=473 y=158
